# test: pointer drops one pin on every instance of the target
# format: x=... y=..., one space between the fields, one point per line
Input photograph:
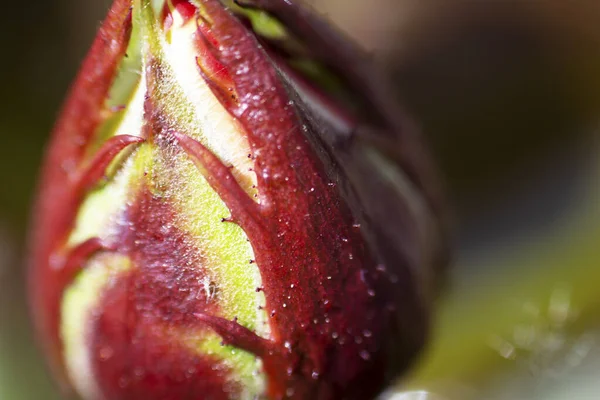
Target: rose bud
x=232 y=207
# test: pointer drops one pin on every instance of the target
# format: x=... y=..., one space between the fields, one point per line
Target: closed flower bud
x=231 y=208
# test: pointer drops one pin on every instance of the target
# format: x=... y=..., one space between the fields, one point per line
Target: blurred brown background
x=508 y=94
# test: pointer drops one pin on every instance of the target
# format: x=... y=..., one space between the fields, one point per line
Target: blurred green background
x=508 y=94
